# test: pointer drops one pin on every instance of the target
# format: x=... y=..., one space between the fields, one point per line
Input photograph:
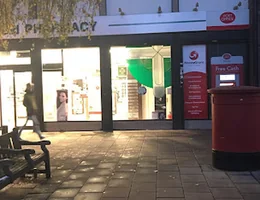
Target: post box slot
x=235 y=100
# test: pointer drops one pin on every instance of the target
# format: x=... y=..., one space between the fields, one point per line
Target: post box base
x=236 y=161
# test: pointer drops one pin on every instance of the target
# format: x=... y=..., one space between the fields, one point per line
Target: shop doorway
x=12 y=90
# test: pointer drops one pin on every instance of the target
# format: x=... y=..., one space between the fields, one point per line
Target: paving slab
x=133 y=165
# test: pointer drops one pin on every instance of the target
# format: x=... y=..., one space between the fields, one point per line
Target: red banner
x=195 y=82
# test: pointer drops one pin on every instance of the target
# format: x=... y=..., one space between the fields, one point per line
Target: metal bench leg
x=47 y=167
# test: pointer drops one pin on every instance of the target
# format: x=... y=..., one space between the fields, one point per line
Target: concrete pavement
x=134 y=165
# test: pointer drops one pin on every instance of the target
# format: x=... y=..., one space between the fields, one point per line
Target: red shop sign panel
x=195 y=82
x=227 y=70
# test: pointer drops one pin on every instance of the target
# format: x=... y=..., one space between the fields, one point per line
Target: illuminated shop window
x=51 y=56
x=15 y=58
x=74 y=92
x=141 y=83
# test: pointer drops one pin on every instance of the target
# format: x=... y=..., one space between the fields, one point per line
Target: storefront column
x=106 y=89
x=36 y=63
x=177 y=89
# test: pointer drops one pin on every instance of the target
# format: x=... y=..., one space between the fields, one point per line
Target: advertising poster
x=195 y=82
x=62 y=105
x=227 y=70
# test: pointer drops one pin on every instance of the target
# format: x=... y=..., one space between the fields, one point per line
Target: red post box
x=236 y=128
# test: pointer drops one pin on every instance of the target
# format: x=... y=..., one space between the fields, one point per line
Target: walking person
x=29 y=102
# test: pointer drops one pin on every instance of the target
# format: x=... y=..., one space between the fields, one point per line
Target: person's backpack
x=25 y=101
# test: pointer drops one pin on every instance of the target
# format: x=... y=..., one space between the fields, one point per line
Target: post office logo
x=227 y=56
x=227 y=17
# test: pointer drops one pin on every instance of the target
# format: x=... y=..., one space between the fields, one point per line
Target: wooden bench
x=24 y=160
x=4 y=170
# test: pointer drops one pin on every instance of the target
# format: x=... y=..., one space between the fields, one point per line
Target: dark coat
x=29 y=102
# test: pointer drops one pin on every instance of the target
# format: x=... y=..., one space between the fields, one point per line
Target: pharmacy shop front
x=128 y=77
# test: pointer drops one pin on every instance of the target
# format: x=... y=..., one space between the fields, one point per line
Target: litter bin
x=236 y=128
